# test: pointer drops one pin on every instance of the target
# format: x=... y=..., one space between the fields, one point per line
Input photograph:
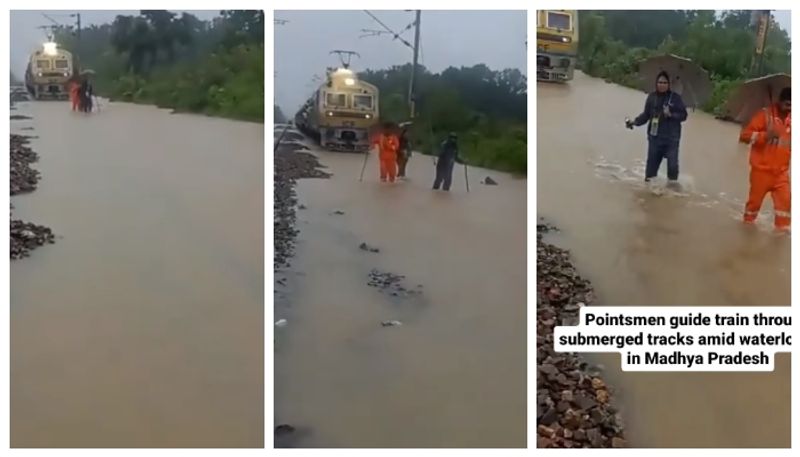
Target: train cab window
x=362 y=101
x=559 y=21
x=62 y=63
x=336 y=100
x=43 y=64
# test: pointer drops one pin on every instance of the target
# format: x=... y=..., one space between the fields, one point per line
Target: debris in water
x=489 y=181
x=281 y=323
x=338 y=212
x=368 y=248
x=391 y=284
x=391 y=323
x=283 y=429
x=18 y=117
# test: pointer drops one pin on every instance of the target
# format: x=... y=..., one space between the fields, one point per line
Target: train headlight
x=349 y=81
x=50 y=49
x=329 y=113
x=39 y=74
x=368 y=116
x=565 y=39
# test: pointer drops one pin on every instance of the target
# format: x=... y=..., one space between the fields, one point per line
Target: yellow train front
x=344 y=110
x=48 y=73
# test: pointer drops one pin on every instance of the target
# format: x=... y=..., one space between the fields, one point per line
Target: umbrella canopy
x=687 y=78
x=755 y=94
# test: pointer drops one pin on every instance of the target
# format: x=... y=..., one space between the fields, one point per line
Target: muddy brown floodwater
x=454 y=373
x=686 y=248
x=143 y=325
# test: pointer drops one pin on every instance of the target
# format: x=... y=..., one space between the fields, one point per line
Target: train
x=556 y=45
x=49 y=71
x=341 y=113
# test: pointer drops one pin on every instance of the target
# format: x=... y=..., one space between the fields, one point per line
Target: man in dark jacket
x=664 y=111
x=448 y=156
x=86 y=93
x=403 y=153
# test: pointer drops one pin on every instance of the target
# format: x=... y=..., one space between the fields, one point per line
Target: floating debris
x=368 y=248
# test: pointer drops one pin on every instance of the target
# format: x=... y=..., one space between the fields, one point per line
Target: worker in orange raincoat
x=769 y=133
x=74 y=88
x=388 y=145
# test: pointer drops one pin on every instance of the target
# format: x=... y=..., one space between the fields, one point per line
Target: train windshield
x=43 y=64
x=362 y=101
x=62 y=63
x=559 y=21
x=336 y=100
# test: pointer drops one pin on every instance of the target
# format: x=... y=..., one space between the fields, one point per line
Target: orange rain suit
x=74 y=87
x=388 y=145
x=769 y=165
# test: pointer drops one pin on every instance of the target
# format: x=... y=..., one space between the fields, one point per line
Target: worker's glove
x=628 y=124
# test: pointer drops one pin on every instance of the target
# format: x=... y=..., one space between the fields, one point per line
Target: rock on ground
x=290 y=165
x=24 y=236
x=23 y=177
x=573 y=404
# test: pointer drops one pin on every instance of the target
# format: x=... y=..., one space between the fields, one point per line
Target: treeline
x=612 y=43
x=178 y=61
x=487 y=108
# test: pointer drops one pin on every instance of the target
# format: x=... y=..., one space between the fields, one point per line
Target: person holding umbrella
x=664 y=110
x=769 y=134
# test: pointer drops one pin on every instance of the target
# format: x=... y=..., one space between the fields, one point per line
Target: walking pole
x=364 y=167
x=466 y=176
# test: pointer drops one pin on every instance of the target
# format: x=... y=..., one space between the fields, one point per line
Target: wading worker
x=448 y=156
x=403 y=154
x=664 y=111
x=388 y=144
x=769 y=133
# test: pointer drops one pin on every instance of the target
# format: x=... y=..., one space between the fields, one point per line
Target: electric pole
x=414 y=48
x=411 y=94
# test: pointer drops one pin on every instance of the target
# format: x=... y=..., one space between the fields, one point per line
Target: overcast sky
x=447 y=38
x=26 y=37
x=784 y=18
